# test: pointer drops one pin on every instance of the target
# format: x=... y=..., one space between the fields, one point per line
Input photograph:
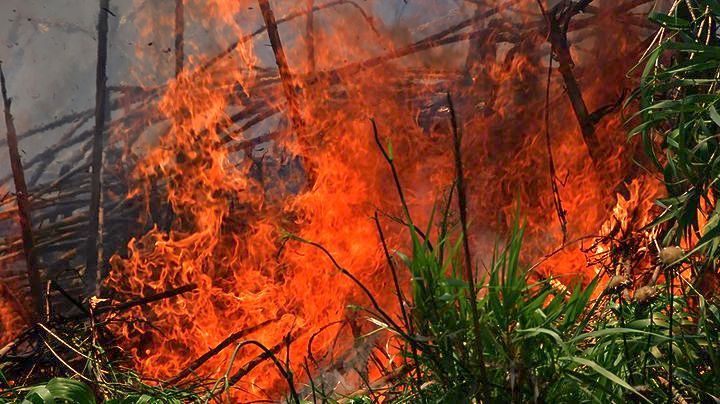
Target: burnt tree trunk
x=93 y=257
x=23 y=203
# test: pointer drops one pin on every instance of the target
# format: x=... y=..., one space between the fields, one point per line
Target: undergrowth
x=498 y=334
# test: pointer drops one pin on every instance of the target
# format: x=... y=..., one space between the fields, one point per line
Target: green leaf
x=714 y=115
x=605 y=373
x=668 y=21
x=613 y=331
x=60 y=390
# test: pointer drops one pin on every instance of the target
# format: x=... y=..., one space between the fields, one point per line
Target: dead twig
x=214 y=351
x=310 y=36
x=145 y=300
x=561 y=213
x=268 y=353
x=120 y=307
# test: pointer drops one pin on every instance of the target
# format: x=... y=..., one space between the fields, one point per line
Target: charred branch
x=145 y=300
x=282 y=64
x=231 y=339
x=310 y=36
x=179 y=36
x=92 y=249
x=558 y=20
x=268 y=353
x=23 y=205
x=559 y=209
x=236 y=45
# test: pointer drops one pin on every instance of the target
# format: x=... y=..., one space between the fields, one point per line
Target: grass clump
x=543 y=343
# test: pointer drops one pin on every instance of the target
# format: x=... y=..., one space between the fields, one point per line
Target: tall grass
x=543 y=343
x=499 y=335
x=516 y=340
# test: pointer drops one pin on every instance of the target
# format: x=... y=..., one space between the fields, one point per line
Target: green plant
x=536 y=341
x=679 y=120
x=58 y=390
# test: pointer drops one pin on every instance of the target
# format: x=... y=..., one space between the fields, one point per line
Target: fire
x=12 y=318
x=323 y=181
x=12 y=322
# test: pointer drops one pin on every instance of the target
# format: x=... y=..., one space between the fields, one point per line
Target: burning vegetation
x=471 y=202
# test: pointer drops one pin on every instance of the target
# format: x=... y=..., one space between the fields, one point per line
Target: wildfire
x=231 y=203
x=11 y=320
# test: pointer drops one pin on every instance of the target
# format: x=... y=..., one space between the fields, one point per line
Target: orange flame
x=11 y=321
x=324 y=181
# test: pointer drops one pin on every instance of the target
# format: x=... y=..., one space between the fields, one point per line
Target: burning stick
x=310 y=35
x=236 y=45
x=92 y=249
x=287 y=81
x=23 y=205
x=558 y=19
x=179 y=36
x=551 y=160
x=224 y=344
x=145 y=300
x=281 y=60
x=268 y=353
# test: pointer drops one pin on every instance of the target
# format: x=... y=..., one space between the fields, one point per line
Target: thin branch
x=70 y=298
x=558 y=19
x=401 y=299
x=268 y=353
x=393 y=271
x=234 y=46
x=23 y=204
x=356 y=281
x=396 y=178
x=145 y=300
x=559 y=209
x=214 y=351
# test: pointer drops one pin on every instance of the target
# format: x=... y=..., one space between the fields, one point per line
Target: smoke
x=48 y=50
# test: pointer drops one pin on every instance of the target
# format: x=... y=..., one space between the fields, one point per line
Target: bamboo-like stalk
x=23 y=204
x=282 y=64
x=92 y=248
x=179 y=36
x=469 y=273
x=310 y=36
